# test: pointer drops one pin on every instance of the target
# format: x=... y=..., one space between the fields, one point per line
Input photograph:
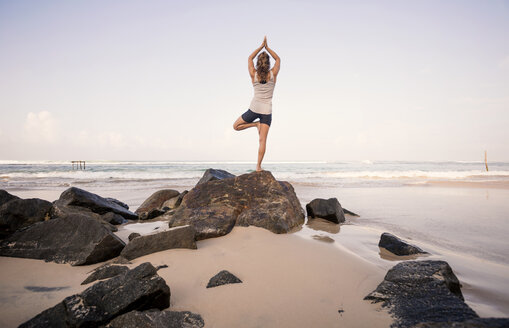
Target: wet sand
x=288 y=281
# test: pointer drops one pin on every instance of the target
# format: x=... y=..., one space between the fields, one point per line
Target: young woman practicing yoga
x=264 y=81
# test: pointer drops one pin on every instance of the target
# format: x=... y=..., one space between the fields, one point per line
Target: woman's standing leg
x=262 y=132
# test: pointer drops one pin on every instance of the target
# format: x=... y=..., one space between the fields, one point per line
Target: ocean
x=457 y=211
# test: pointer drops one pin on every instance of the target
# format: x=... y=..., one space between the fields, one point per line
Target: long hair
x=263 y=67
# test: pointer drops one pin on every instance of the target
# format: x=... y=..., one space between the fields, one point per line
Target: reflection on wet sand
x=323 y=238
x=386 y=255
x=323 y=225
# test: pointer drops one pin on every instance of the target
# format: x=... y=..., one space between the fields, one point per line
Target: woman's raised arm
x=274 y=55
x=250 y=65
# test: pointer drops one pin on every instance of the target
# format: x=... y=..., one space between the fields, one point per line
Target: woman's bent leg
x=240 y=124
x=263 y=131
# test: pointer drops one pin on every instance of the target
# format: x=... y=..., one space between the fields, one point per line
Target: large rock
x=422 y=291
x=214 y=207
x=6 y=197
x=155 y=202
x=60 y=211
x=180 y=237
x=77 y=240
x=328 y=209
x=224 y=277
x=397 y=246
x=157 y=319
x=214 y=174
x=138 y=289
x=20 y=213
x=105 y=272
x=97 y=204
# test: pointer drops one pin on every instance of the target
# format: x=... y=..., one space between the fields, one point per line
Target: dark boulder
x=328 y=209
x=422 y=291
x=180 y=237
x=214 y=174
x=223 y=278
x=138 y=289
x=77 y=240
x=6 y=197
x=397 y=246
x=116 y=201
x=113 y=218
x=155 y=201
x=257 y=199
x=105 y=272
x=471 y=323
x=20 y=213
x=60 y=211
x=133 y=235
x=97 y=204
x=157 y=319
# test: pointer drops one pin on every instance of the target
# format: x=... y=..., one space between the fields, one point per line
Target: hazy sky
x=165 y=80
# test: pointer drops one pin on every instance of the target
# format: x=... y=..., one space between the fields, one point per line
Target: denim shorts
x=250 y=116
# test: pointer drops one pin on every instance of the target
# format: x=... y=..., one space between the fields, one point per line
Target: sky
x=165 y=80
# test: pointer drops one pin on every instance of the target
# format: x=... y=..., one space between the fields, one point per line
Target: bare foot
x=259 y=169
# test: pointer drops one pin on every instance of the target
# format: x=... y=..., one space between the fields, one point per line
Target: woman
x=264 y=81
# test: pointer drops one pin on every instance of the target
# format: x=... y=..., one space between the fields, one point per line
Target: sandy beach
x=288 y=281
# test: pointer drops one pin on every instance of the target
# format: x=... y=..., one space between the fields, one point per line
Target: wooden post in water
x=79 y=165
x=486 y=160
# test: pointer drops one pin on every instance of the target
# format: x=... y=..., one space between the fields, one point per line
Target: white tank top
x=262 y=100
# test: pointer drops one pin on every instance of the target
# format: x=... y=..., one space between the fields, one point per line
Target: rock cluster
x=213 y=208
x=138 y=289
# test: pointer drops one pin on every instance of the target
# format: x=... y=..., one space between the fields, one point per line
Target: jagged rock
x=74 y=239
x=6 y=197
x=214 y=174
x=104 y=272
x=155 y=201
x=257 y=199
x=328 y=209
x=60 y=211
x=397 y=246
x=138 y=289
x=180 y=237
x=97 y=204
x=20 y=213
x=133 y=235
x=223 y=278
x=157 y=319
x=113 y=218
x=471 y=323
x=116 y=201
x=422 y=291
